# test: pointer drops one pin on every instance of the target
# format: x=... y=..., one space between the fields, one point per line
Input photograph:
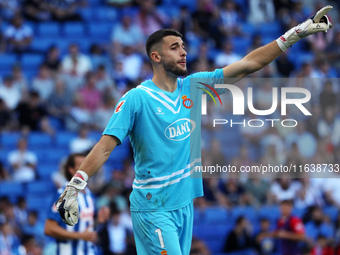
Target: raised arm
x=262 y=56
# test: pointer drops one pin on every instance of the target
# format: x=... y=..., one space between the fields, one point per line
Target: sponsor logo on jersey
x=119 y=106
x=164 y=252
x=180 y=129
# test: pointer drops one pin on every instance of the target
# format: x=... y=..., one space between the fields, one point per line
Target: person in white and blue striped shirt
x=79 y=239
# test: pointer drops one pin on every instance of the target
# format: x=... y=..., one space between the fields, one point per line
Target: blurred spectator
x=8 y=239
x=333 y=51
x=43 y=83
x=329 y=126
x=3 y=176
x=82 y=143
x=120 y=77
x=36 y=10
x=23 y=162
x=20 y=211
x=127 y=33
x=317 y=226
x=146 y=72
x=185 y=22
x=229 y=19
x=114 y=233
x=227 y=56
x=63 y=11
x=327 y=97
x=290 y=231
x=29 y=246
x=31 y=113
x=324 y=70
x=112 y=194
x=323 y=247
x=99 y=57
x=104 y=83
x=149 y=19
x=103 y=114
x=20 y=81
x=234 y=191
x=240 y=237
x=52 y=60
x=203 y=58
x=10 y=93
x=308 y=195
x=284 y=65
x=129 y=58
x=261 y=11
x=82 y=236
x=305 y=141
x=34 y=227
x=267 y=245
x=76 y=63
x=258 y=188
x=5 y=117
x=198 y=247
x=90 y=95
x=9 y=8
x=285 y=188
x=18 y=35
x=78 y=115
x=59 y=103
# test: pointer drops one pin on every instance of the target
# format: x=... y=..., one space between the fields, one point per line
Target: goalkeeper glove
x=67 y=204
x=316 y=23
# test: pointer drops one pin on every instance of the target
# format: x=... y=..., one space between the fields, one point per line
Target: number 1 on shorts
x=159 y=232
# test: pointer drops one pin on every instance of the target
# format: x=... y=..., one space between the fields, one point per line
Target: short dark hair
x=157 y=37
x=70 y=162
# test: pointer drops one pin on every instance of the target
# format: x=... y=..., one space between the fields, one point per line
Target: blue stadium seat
x=241 y=45
x=105 y=14
x=7 y=61
x=74 y=30
x=270 y=212
x=63 y=139
x=40 y=187
x=9 y=140
x=274 y=29
x=42 y=44
x=49 y=29
x=247 y=211
x=101 y=30
x=86 y=14
x=216 y=214
x=39 y=140
x=39 y=202
x=45 y=171
x=248 y=28
x=31 y=61
x=332 y=212
x=11 y=189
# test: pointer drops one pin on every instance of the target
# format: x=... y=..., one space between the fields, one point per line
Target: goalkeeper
x=161 y=200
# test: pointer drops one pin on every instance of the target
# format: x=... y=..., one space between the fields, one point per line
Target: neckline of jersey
x=164 y=91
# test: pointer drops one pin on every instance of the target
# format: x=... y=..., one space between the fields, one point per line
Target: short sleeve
x=123 y=117
x=297 y=226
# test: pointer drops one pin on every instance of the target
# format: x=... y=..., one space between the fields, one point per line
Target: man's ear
x=156 y=57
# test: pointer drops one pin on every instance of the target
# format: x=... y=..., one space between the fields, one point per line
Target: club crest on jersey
x=180 y=129
x=187 y=102
x=119 y=106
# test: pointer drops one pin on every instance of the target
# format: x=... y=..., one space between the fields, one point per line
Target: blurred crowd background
x=65 y=63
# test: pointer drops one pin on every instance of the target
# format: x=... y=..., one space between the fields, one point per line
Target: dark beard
x=171 y=67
